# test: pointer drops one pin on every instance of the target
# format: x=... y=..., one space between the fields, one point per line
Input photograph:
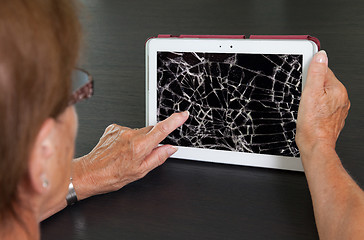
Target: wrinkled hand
x=123 y=155
x=323 y=108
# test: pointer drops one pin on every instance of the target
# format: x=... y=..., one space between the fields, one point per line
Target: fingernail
x=172 y=150
x=185 y=113
x=321 y=57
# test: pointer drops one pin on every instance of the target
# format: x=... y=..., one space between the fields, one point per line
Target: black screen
x=237 y=102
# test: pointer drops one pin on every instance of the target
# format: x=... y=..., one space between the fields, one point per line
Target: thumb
x=317 y=71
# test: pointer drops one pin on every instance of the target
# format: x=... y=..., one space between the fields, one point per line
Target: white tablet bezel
x=305 y=47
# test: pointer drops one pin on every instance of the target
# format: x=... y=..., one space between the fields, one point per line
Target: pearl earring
x=45 y=181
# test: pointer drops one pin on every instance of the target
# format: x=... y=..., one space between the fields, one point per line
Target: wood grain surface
x=193 y=200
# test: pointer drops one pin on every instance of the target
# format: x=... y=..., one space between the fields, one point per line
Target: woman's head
x=39 y=43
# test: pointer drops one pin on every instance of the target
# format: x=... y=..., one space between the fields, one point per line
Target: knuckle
x=162 y=128
x=141 y=174
x=117 y=127
x=112 y=126
x=348 y=104
x=344 y=91
x=148 y=129
x=342 y=124
x=317 y=71
x=161 y=157
x=111 y=130
x=128 y=133
x=341 y=94
x=344 y=97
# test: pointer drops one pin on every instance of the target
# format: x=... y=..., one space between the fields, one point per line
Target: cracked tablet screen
x=237 y=102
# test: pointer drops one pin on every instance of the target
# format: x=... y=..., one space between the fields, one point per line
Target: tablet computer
x=242 y=96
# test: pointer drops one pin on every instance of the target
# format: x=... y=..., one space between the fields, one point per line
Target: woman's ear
x=41 y=153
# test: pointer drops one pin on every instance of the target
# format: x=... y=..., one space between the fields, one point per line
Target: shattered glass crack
x=237 y=102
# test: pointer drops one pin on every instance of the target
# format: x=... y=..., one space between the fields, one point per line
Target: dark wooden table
x=193 y=200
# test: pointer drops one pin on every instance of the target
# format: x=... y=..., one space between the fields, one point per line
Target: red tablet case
x=293 y=37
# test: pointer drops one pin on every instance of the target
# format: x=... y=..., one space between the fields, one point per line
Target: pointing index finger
x=161 y=130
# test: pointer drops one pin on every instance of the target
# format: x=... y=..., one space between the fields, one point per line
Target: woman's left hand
x=123 y=155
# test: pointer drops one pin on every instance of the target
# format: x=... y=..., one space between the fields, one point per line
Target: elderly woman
x=39 y=45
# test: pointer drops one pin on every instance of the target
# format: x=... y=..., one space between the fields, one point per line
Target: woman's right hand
x=123 y=155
